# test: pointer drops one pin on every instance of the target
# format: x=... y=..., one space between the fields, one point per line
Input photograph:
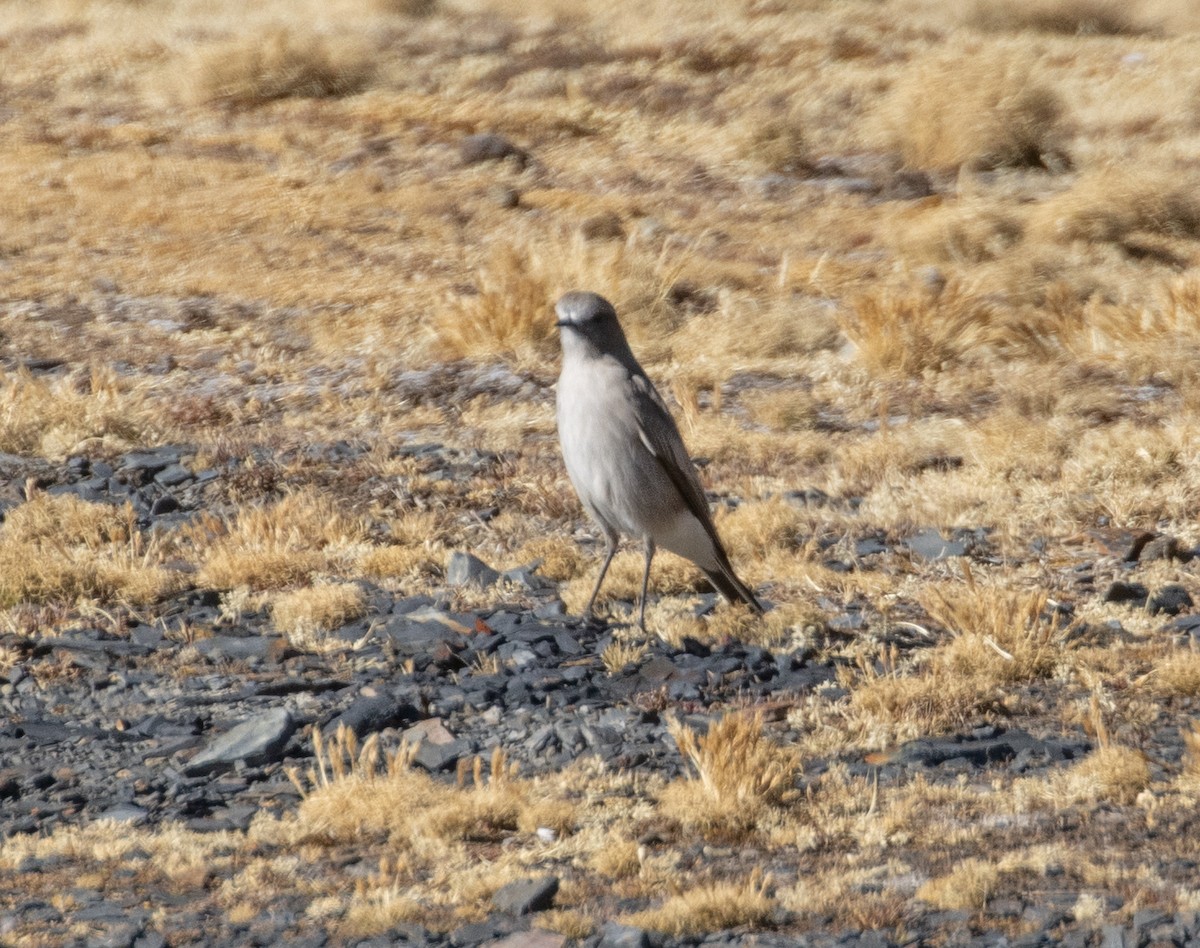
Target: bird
x=624 y=454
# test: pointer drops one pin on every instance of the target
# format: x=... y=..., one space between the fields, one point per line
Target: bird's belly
x=621 y=484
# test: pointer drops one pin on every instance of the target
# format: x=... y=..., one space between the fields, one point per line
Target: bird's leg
x=645 y=583
x=610 y=540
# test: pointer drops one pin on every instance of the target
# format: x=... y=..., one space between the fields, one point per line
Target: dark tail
x=728 y=585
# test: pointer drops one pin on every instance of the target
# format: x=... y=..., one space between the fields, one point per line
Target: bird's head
x=588 y=325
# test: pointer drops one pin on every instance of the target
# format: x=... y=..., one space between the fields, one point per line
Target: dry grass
x=987 y=110
x=61 y=548
x=915 y=331
x=967 y=886
x=306 y=615
x=55 y=417
x=710 y=908
x=277 y=545
x=282 y=64
x=740 y=774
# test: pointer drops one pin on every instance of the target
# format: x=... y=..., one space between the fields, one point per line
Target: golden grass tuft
x=986 y=110
x=558 y=558
x=709 y=908
x=283 y=64
x=1110 y=774
x=575 y=925
x=511 y=315
x=1000 y=636
x=58 y=416
x=1116 y=205
x=740 y=773
x=889 y=705
x=967 y=886
x=618 y=655
x=306 y=615
x=62 y=549
x=778 y=143
x=909 y=333
x=401 y=562
x=1189 y=774
x=1177 y=675
x=616 y=859
x=277 y=545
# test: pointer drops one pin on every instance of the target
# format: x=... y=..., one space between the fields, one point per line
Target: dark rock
x=1163 y=548
x=981 y=751
x=1132 y=593
x=150 y=462
x=616 y=935
x=526 y=896
x=464 y=568
x=164 y=505
x=259 y=740
x=1171 y=599
x=489 y=146
x=370 y=714
x=172 y=476
x=870 y=546
x=479 y=933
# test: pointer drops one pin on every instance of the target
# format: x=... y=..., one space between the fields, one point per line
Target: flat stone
x=981 y=751
x=530 y=939
x=931 y=545
x=616 y=935
x=489 y=146
x=439 y=757
x=370 y=714
x=151 y=461
x=172 y=476
x=526 y=896
x=258 y=740
x=125 y=813
x=1113 y=936
x=466 y=569
x=526 y=578
x=237 y=648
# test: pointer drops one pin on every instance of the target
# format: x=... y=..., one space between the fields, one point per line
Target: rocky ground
x=194 y=717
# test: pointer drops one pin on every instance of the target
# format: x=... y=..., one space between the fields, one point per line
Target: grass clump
x=62 y=549
x=710 y=908
x=909 y=333
x=981 y=112
x=281 y=65
x=510 y=315
x=740 y=774
x=305 y=616
x=55 y=417
x=276 y=545
x=1112 y=205
x=967 y=886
